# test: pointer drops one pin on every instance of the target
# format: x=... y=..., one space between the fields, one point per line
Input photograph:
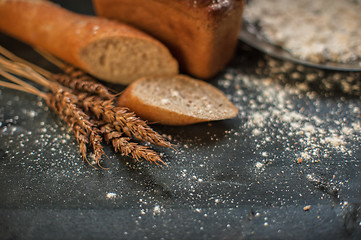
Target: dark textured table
x=288 y=167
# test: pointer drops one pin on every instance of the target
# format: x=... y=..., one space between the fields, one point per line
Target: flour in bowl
x=317 y=31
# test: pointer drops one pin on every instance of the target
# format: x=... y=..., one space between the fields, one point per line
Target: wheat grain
x=76 y=79
x=123 y=145
x=63 y=103
x=83 y=83
x=90 y=117
x=122 y=120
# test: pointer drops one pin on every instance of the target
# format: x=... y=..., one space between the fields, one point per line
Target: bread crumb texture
x=186 y=96
x=202 y=35
x=123 y=60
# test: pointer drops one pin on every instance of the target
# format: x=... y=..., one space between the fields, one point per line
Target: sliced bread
x=201 y=34
x=176 y=100
x=110 y=50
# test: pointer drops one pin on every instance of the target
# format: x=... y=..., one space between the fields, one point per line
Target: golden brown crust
x=63 y=33
x=157 y=114
x=202 y=35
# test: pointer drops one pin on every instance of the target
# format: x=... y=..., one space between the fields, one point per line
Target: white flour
x=311 y=30
x=292 y=114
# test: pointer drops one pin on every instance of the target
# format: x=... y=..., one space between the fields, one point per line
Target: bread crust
x=202 y=35
x=157 y=114
x=63 y=33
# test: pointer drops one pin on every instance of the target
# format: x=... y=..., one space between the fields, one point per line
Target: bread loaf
x=176 y=100
x=109 y=50
x=201 y=34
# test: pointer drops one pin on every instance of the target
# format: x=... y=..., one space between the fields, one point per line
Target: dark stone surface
x=226 y=181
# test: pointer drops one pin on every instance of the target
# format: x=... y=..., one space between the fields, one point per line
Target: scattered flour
x=314 y=30
x=111 y=195
x=157 y=210
x=305 y=123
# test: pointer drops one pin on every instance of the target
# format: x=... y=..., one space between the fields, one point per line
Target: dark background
x=213 y=186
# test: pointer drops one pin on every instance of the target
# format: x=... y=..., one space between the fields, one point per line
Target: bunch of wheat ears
x=86 y=106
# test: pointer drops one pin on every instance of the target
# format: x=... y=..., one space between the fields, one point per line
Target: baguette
x=201 y=34
x=109 y=50
x=176 y=100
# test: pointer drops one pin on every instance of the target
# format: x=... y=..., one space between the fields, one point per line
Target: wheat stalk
x=59 y=104
x=91 y=118
x=64 y=105
x=76 y=79
x=123 y=145
x=122 y=120
x=15 y=58
x=73 y=78
x=83 y=84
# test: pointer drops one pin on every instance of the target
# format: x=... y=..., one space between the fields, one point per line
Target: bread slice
x=201 y=34
x=110 y=50
x=176 y=100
